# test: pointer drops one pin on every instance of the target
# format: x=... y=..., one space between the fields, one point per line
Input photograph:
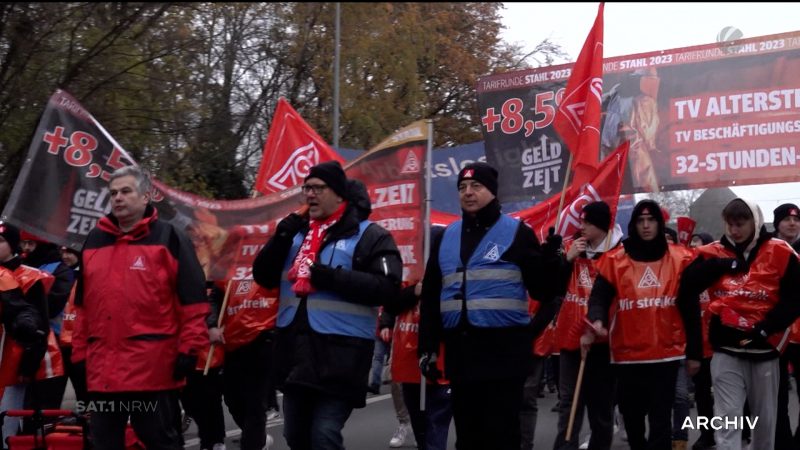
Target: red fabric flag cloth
x=605 y=185
x=292 y=148
x=685 y=229
x=577 y=120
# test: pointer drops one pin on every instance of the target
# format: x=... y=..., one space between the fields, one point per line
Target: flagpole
x=426 y=241
x=564 y=191
x=337 y=34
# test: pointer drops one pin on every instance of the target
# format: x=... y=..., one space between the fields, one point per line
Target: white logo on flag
x=574 y=111
x=296 y=167
x=138 y=264
x=649 y=279
x=493 y=254
x=244 y=287
x=412 y=163
x=341 y=245
x=584 y=279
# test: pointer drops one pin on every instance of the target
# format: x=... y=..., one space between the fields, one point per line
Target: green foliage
x=189 y=88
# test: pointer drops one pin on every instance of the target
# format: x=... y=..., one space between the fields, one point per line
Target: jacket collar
x=109 y=224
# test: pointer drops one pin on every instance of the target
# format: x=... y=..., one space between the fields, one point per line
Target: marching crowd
x=131 y=318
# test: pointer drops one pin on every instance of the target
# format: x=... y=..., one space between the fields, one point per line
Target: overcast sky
x=644 y=27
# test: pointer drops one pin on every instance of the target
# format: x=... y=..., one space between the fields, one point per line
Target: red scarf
x=300 y=272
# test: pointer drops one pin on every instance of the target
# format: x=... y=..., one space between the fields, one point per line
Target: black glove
x=322 y=276
x=731 y=265
x=756 y=335
x=184 y=365
x=290 y=225
x=26 y=330
x=31 y=359
x=427 y=365
x=552 y=243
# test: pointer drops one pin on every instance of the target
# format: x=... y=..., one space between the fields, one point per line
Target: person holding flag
x=334 y=268
x=474 y=300
x=598 y=235
x=654 y=325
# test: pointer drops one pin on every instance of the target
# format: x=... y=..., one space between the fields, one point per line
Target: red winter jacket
x=140 y=301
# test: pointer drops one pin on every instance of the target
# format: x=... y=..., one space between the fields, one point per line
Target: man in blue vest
x=334 y=268
x=475 y=300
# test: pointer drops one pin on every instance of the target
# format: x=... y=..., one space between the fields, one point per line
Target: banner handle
x=564 y=191
x=219 y=325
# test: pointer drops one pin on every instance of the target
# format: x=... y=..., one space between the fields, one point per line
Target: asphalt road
x=370 y=428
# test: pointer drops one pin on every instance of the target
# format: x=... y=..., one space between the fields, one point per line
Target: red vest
x=751 y=295
x=405 y=340
x=545 y=344
x=251 y=309
x=645 y=324
x=52 y=364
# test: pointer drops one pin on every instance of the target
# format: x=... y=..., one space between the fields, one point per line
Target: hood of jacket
x=759 y=235
x=639 y=249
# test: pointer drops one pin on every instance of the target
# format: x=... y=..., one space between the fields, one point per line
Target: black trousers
x=597 y=394
x=703 y=396
x=246 y=380
x=152 y=416
x=202 y=400
x=647 y=390
x=486 y=414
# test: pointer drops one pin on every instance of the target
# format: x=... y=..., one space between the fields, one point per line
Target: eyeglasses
x=315 y=188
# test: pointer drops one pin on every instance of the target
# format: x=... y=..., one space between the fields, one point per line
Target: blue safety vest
x=55 y=323
x=328 y=313
x=494 y=292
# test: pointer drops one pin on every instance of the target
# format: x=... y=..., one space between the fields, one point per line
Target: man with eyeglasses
x=475 y=300
x=334 y=268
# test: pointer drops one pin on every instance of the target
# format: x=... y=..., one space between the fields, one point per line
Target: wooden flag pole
x=575 y=397
x=563 y=192
x=219 y=325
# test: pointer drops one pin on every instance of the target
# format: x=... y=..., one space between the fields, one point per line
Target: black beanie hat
x=332 y=174
x=482 y=173
x=597 y=214
x=11 y=234
x=783 y=211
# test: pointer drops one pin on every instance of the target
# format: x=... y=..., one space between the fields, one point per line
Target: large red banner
x=62 y=191
x=696 y=117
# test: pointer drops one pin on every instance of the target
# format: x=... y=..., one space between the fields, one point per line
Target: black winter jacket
x=332 y=364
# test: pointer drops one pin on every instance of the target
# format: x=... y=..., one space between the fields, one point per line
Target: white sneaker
x=218 y=447
x=399 y=437
x=273 y=414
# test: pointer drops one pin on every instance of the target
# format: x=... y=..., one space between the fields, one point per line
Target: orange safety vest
x=251 y=309
x=646 y=326
x=405 y=341
x=575 y=304
x=68 y=319
x=545 y=343
x=751 y=295
x=52 y=364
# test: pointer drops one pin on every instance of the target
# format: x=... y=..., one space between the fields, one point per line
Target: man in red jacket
x=141 y=308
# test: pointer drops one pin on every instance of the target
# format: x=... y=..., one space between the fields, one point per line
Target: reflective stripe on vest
x=493 y=288
x=328 y=313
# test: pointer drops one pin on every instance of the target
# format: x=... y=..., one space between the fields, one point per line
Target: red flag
x=685 y=229
x=292 y=148
x=605 y=185
x=577 y=120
